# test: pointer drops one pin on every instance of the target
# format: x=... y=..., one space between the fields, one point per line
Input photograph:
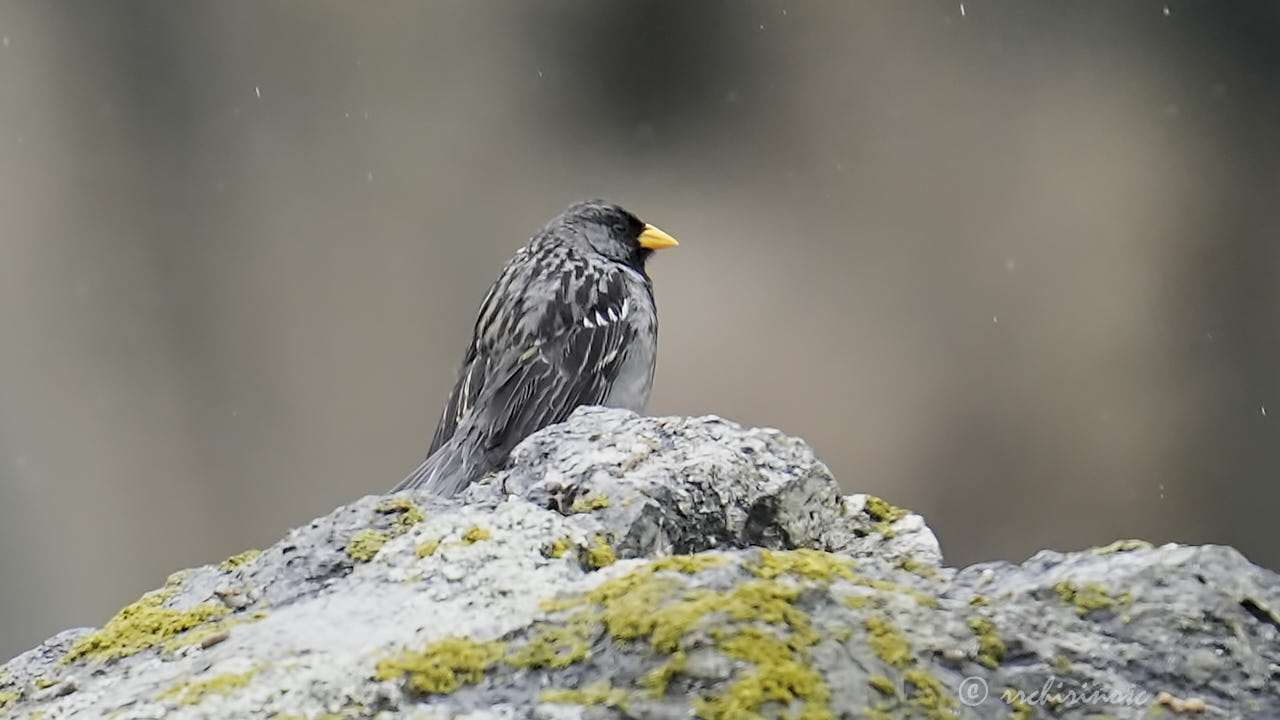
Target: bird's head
x=611 y=231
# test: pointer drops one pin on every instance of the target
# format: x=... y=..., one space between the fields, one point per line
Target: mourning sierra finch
x=570 y=321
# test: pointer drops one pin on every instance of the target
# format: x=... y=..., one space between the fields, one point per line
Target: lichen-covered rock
x=629 y=567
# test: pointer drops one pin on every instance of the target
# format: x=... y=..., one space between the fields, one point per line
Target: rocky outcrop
x=629 y=567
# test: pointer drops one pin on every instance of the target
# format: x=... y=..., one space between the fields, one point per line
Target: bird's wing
x=495 y=322
x=570 y=357
x=466 y=390
x=577 y=352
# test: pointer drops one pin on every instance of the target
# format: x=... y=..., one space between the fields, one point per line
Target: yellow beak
x=654 y=239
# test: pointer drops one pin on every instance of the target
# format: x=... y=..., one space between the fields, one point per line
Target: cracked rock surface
x=629 y=567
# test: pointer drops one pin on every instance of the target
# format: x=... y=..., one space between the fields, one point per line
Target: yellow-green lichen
x=43 y=682
x=653 y=603
x=915 y=567
x=883 y=685
x=655 y=681
x=1061 y=665
x=196 y=692
x=688 y=564
x=557 y=548
x=142 y=625
x=625 y=602
x=643 y=604
x=887 y=643
x=885 y=586
x=475 y=534
x=805 y=563
x=1088 y=597
x=780 y=675
x=364 y=545
x=667 y=625
x=857 y=602
x=239 y=559
x=928 y=695
x=444 y=666
x=599 y=555
x=978 y=600
x=597 y=694
x=923 y=598
x=587 y=503
x=555 y=646
x=756 y=621
x=757 y=600
x=198 y=635
x=990 y=646
x=406 y=512
x=884 y=514
x=427 y=548
x=1122 y=546
x=6 y=698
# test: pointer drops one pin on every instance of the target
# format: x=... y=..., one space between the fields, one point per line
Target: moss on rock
x=756 y=622
x=143 y=624
x=555 y=646
x=990 y=647
x=1120 y=546
x=887 y=642
x=656 y=680
x=599 y=554
x=883 y=685
x=805 y=563
x=928 y=695
x=779 y=674
x=597 y=694
x=239 y=559
x=1088 y=597
x=443 y=666
x=406 y=513
x=195 y=693
x=588 y=503
x=8 y=697
x=427 y=548
x=365 y=544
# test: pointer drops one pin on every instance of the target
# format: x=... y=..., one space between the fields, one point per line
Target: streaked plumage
x=570 y=321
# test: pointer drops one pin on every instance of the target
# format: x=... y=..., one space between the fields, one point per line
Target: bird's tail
x=445 y=472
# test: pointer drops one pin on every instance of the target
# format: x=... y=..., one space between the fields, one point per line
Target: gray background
x=1012 y=266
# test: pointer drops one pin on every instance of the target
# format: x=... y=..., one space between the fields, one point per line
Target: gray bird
x=570 y=322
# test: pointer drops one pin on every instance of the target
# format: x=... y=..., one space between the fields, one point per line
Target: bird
x=570 y=321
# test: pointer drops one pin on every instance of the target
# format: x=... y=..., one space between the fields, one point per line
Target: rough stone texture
x=628 y=567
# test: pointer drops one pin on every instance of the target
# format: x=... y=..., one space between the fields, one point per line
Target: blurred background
x=1012 y=265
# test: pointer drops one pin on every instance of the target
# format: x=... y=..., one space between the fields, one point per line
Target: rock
x=630 y=567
